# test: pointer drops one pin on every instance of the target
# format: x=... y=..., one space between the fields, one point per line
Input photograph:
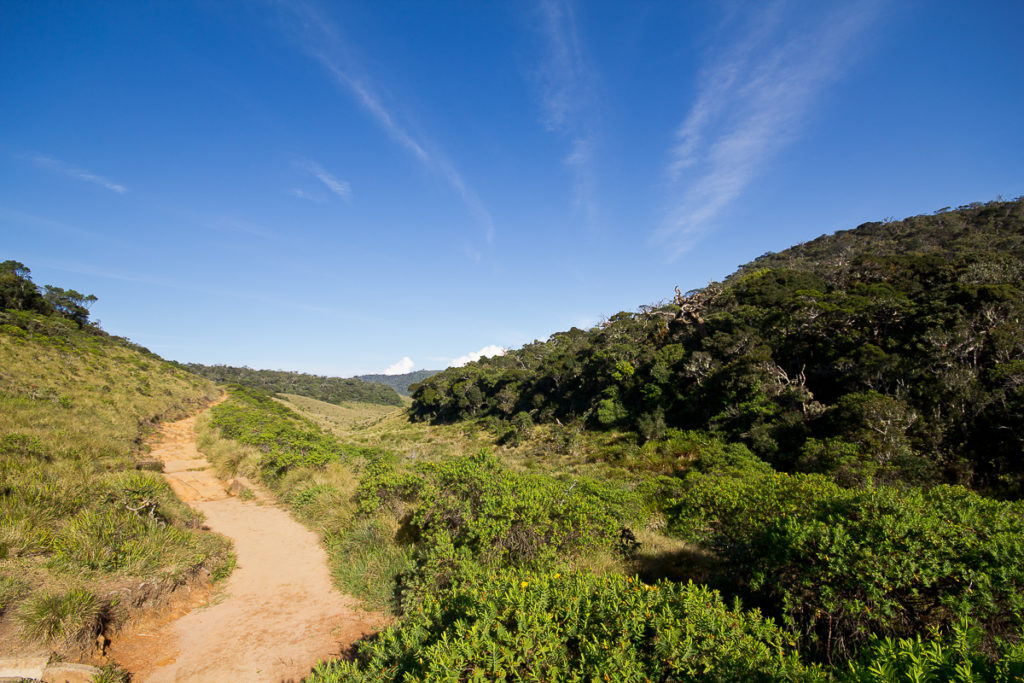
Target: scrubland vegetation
x=811 y=471
x=87 y=532
x=808 y=472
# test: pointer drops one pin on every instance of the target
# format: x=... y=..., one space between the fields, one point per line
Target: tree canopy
x=891 y=352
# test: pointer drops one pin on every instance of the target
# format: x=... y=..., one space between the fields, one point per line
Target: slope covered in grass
x=87 y=532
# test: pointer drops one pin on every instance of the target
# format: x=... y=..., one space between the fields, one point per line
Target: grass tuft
x=71 y=618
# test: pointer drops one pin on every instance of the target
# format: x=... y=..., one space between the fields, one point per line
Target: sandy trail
x=278 y=613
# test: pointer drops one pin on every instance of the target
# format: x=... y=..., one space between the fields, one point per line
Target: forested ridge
x=890 y=353
x=327 y=389
x=400 y=383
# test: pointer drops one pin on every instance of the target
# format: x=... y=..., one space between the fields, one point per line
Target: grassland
x=369 y=550
x=87 y=532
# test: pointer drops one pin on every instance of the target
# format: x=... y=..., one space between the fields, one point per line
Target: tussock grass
x=71 y=618
x=76 y=407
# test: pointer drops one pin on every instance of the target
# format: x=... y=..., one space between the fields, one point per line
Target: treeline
x=400 y=383
x=889 y=353
x=19 y=293
x=328 y=389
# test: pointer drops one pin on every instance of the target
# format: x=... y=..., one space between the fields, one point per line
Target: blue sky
x=335 y=187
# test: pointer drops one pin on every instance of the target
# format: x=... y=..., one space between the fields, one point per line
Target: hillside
x=888 y=353
x=88 y=533
x=400 y=383
x=328 y=389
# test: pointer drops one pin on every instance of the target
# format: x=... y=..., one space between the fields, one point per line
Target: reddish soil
x=273 y=619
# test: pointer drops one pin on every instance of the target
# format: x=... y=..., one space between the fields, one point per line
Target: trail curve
x=277 y=615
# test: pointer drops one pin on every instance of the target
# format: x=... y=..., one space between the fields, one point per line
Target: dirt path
x=278 y=613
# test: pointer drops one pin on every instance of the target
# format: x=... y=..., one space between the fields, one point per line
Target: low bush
x=843 y=565
x=574 y=627
x=286 y=440
x=469 y=515
x=961 y=656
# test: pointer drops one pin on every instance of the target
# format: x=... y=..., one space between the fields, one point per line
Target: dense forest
x=890 y=353
x=327 y=389
x=400 y=383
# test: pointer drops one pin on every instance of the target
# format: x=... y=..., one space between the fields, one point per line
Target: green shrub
x=842 y=565
x=959 y=656
x=576 y=627
x=287 y=440
x=466 y=516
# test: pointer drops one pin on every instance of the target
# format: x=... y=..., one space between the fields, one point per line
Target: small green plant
x=64 y=619
x=224 y=568
x=111 y=673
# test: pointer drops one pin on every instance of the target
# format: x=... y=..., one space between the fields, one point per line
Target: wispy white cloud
x=322 y=40
x=401 y=367
x=339 y=187
x=302 y=194
x=566 y=86
x=57 y=166
x=753 y=98
x=487 y=351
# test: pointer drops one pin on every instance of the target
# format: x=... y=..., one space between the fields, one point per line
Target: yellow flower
x=524 y=584
x=556 y=575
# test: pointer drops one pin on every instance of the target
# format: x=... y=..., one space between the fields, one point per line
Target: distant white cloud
x=338 y=187
x=488 y=351
x=57 y=166
x=752 y=101
x=322 y=41
x=401 y=367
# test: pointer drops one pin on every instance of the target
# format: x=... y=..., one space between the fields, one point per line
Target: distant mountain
x=328 y=389
x=400 y=383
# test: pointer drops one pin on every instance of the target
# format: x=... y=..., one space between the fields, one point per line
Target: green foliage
x=286 y=440
x=69 y=303
x=464 y=517
x=959 y=656
x=574 y=627
x=840 y=565
x=18 y=292
x=112 y=673
x=890 y=353
x=71 y=618
x=329 y=389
